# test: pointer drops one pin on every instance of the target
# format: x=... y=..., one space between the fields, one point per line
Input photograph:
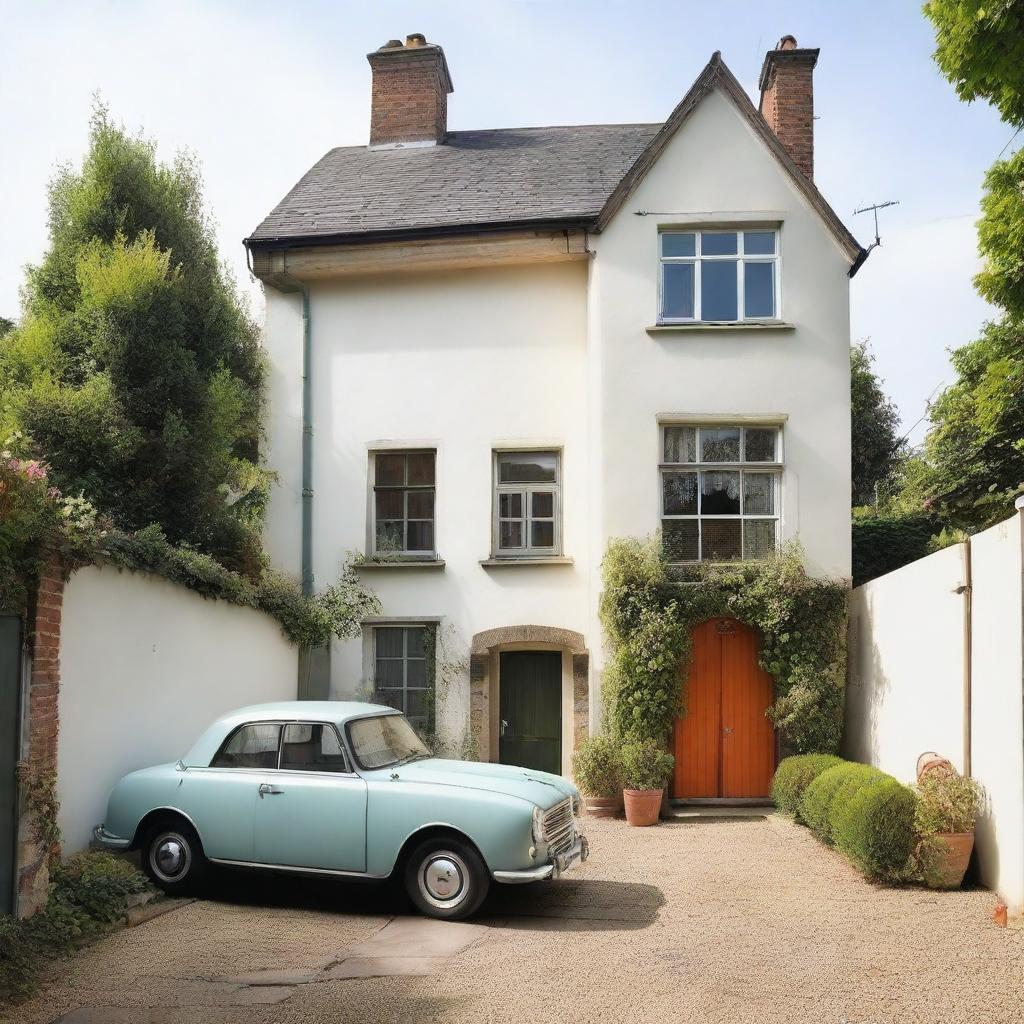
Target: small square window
x=527 y=520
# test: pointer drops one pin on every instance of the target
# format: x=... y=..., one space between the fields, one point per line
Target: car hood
x=540 y=788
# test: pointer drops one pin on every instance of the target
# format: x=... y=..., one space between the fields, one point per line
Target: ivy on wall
x=648 y=617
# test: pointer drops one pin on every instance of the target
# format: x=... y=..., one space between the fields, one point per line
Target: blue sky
x=260 y=90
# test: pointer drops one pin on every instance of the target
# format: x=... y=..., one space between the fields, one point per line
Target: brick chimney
x=410 y=93
x=787 y=99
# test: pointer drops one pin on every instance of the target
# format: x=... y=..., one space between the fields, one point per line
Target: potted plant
x=645 y=770
x=596 y=770
x=947 y=806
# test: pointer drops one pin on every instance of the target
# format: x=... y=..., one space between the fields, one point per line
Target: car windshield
x=385 y=741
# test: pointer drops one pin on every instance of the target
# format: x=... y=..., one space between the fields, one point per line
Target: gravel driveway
x=739 y=920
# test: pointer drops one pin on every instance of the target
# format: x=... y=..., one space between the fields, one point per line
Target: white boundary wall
x=146 y=665
x=905 y=692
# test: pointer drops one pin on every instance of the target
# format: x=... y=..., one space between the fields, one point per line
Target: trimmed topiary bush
x=794 y=775
x=831 y=790
x=874 y=827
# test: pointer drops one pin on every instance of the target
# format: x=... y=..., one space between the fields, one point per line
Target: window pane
x=759 y=289
x=389 y=504
x=718 y=243
x=719 y=444
x=718 y=290
x=421 y=536
x=542 y=505
x=421 y=468
x=312 y=748
x=510 y=535
x=417 y=707
x=758 y=538
x=389 y=672
x=680 y=494
x=759 y=444
x=510 y=506
x=414 y=642
x=679 y=539
x=720 y=494
x=390 y=469
x=680 y=444
x=526 y=467
x=390 y=698
x=758 y=493
x=421 y=504
x=759 y=243
x=389 y=536
x=252 y=746
x=720 y=539
x=678 y=243
x=542 y=534
x=416 y=672
x=677 y=291
x=389 y=641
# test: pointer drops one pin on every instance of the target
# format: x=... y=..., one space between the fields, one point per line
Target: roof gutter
x=859 y=261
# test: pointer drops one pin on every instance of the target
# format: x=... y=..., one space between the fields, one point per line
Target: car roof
x=336 y=711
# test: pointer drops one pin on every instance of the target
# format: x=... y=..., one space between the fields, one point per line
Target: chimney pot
x=786 y=43
x=392 y=44
x=416 y=39
x=787 y=99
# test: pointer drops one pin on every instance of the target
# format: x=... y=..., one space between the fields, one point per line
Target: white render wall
x=146 y=666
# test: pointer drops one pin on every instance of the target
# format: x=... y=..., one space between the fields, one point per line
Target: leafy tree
x=6 y=326
x=135 y=371
x=877 y=447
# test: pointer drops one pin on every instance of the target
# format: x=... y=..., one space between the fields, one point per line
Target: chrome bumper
x=109 y=840
x=563 y=862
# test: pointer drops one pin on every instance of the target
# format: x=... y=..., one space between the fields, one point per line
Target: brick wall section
x=409 y=100
x=787 y=102
x=42 y=724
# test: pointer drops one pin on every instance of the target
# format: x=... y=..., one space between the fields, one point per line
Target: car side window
x=312 y=747
x=251 y=746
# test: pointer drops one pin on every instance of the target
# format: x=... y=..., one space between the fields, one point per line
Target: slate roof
x=499 y=176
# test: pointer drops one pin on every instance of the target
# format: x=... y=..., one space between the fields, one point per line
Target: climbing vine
x=648 y=616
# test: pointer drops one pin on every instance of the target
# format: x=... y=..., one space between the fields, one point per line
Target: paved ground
x=733 y=921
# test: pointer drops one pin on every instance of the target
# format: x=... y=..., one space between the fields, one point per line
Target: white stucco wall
x=906 y=666
x=997 y=715
x=146 y=665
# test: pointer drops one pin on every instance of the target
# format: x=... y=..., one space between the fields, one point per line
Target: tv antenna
x=874 y=208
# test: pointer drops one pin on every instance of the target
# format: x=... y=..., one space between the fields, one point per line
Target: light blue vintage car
x=344 y=789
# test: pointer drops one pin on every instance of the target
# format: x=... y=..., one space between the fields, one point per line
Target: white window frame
x=405 y=688
x=403 y=555
x=527 y=490
x=741 y=260
x=742 y=466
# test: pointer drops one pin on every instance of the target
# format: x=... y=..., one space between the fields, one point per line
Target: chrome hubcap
x=170 y=856
x=443 y=877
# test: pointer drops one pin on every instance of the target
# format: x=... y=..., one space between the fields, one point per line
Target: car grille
x=558 y=828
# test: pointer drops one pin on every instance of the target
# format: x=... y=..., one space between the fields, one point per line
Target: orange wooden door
x=724 y=744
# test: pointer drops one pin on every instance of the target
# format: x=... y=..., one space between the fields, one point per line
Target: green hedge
x=882 y=543
x=866 y=814
x=794 y=775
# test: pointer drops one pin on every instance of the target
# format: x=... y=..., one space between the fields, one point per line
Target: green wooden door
x=10 y=698
x=531 y=710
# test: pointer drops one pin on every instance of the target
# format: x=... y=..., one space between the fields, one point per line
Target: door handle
x=504 y=726
x=266 y=789
x=726 y=730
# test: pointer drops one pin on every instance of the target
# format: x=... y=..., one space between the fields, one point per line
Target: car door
x=311 y=811
x=221 y=799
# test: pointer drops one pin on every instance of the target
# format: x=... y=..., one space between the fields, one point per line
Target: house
x=491 y=351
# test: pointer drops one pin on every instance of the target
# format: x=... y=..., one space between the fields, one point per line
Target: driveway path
x=732 y=921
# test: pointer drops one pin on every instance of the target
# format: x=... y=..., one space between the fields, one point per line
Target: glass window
x=527 y=521
x=719 y=495
x=251 y=746
x=385 y=740
x=719 y=276
x=401 y=680
x=403 y=504
x=312 y=747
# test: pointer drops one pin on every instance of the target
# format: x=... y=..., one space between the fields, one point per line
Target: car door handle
x=266 y=789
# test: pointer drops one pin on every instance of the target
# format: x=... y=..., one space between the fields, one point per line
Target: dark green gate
x=10 y=710
x=531 y=710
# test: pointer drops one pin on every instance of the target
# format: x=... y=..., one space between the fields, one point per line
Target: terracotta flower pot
x=948 y=865
x=602 y=806
x=642 y=806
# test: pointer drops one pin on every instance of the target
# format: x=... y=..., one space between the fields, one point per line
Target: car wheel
x=446 y=879
x=172 y=856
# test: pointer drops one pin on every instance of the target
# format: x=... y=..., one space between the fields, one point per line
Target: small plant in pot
x=596 y=770
x=947 y=806
x=645 y=770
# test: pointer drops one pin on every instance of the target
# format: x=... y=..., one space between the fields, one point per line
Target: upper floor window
x=709 y=276
x=403 y=503
x=527 y=514
x=720 y=491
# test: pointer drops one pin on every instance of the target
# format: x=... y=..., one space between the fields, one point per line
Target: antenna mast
x=874 y=208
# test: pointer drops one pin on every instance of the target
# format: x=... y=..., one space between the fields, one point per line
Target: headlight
x=538 y=825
